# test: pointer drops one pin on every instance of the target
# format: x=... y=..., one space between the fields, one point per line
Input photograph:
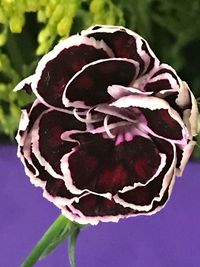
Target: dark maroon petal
x=112 y=167
x=94 y=209
x=93 y=205
x=54 y=187
x=179 y=155
x=36 y=110
x=153 y=61
x=142 y=197
x=185 y=155
x=41 y=173
x=90 y=84
x=166 y=148
x=157 y=86
x=171 y=100
x=160 y=122
x=51 y=147
x=27 y=121
x=30 y=167
x=58 y=69
x=163 y=78
x=159 y=117
x=166 y=69
x=126 y=44
x=57 y=192
x=28 y=117
x=157 y=205
x=184 y=103
x=187 y=102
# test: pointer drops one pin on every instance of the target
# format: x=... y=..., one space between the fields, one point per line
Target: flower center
x=119 y=124
x=117 y=129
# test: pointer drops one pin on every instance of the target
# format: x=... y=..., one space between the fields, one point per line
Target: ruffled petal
x=56 y=192
x=125 y=44
x=89 y=86
x=142 y=198
x=27 y=119
x=54 y=188
x=24 y=137
x=185 y=153
x=85 y=212
x=184 y=102
x=162 y=80
x=160 y=204
x=118 y=91
x=128 y=164
x=47 y=143
x=94 y=209
x=161 y=119
x=188 y=104
x=57 y=67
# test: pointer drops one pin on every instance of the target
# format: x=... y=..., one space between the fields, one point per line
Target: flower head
x=110 y=128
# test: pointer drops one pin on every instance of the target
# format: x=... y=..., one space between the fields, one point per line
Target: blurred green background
x=29 y=29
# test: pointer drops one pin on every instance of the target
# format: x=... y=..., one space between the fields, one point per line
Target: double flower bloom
x=110 y=128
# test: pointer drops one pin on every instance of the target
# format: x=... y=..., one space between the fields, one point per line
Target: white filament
x=87 y=118
x=76 y=115
x=107 y=129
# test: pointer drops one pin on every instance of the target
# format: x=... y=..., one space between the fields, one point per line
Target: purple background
x=171 y=238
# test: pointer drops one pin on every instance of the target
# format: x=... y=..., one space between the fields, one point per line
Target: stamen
x=110 y=127
x=87 y=118
x=106 y=126
x=76 y=115
x=92 y=120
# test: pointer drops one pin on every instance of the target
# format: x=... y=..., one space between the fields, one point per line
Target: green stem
x=72 y=246
x=44 y=242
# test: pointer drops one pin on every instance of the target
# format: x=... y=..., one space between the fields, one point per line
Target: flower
x=110 y=128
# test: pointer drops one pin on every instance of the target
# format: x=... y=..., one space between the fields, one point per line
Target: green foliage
x=10 y=102
x=56 y=16
x=61 y=229
x=29 y=29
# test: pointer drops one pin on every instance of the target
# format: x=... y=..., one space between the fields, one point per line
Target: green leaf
x=55 y=235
